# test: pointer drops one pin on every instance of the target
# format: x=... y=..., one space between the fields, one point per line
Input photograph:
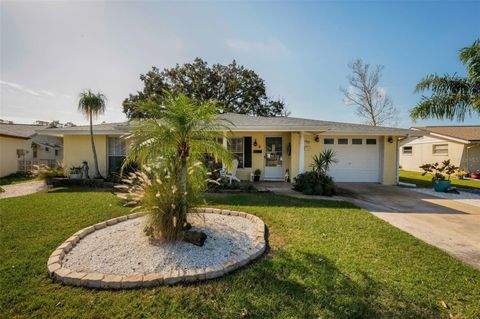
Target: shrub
x=311 y=183
x=46 y=173
x=439 y=172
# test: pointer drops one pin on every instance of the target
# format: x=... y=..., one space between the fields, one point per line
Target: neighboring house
x=21 y=147
x=460 y=144
x=275 y=145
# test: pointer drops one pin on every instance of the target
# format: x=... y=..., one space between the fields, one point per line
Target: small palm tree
x=453 y=97
x=323 y=161
x=182 y=130
x=91 y=105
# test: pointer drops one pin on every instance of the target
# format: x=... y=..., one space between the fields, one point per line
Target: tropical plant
x=46 y=173
x=170 y=147
x=439 y=172
x=91 y=105
x=323 y=161
x=310 y=183
x=452 y=97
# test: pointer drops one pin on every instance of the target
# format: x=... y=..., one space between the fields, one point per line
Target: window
x=116 y=154
x=35 y=151
x=56 y=152
x=440 y=149
x=47 y=149
x=236 y=147
x=343 y=141
x=371 y=141
x=357 y=141
x=328 y=141
x=407 y=150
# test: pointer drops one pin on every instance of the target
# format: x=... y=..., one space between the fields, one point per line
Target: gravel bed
x=463 y=197
x=125 y=249
x=24 y=188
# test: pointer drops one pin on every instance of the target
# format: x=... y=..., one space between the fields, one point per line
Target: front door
x=273 y=158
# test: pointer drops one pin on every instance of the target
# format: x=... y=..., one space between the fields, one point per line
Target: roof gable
x=467 y=133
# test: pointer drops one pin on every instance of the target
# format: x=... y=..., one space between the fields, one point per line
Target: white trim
x=301 y=154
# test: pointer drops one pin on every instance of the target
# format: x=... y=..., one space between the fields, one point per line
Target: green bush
x=311 y=183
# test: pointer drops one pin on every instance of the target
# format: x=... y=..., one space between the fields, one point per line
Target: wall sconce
x=317 y=138
x=390 y=139
x=255 y=143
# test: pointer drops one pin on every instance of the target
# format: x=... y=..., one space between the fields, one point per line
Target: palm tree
x=323 y=161
x=453 y=97
x=180 y=129
x=91 y=105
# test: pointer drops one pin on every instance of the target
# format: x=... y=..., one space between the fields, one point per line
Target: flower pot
x=75 y=176
x=475 y=175
x=256 y=178
x=441 y=186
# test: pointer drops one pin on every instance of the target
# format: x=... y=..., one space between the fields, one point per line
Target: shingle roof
x=241 y=122
x=469 y=133
x=19 y=130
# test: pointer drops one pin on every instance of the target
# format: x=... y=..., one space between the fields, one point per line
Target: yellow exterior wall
x=390 y=161
x=422 y=153
x=78 y=148
x=258 y=160
x=8 y=153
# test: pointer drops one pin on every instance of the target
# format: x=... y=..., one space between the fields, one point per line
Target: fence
x=28 y=166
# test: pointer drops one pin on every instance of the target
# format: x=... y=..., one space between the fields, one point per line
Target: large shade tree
x=452 y=97
x=235 y=88
x=91 y=105
x=174 y=139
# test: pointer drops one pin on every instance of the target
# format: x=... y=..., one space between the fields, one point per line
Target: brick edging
x=108 y=281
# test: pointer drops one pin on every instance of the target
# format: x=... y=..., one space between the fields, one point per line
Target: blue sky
x=50 y=51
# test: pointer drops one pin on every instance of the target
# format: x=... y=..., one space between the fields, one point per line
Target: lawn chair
x=231 y=177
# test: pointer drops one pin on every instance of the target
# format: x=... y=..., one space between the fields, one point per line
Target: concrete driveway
x=447 y=224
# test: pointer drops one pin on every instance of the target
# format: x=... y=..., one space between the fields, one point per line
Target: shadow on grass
x=308 y=285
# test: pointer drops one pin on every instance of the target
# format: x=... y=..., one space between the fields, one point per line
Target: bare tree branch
x=374 y=106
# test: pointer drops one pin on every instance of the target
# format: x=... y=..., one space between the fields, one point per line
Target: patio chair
x=231 y=176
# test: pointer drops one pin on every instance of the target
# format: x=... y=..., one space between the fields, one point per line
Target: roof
x=24 y=131
x=467 y=133
x=242 y=122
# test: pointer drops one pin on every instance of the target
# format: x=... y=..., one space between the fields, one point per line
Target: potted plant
x=75 y=172
x=460 y=174
x=475 y=175
x=440 y=174
x=256 y=175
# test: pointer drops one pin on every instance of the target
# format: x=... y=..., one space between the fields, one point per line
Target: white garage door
x=358 y=158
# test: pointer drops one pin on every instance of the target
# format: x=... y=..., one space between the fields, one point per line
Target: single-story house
x=21 y=147
x=275 y=145
x=459 y=144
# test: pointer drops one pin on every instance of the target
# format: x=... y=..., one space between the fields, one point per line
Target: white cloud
x=270 y=48
x=29 y=91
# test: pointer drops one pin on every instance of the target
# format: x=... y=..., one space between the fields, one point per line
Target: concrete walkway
x=21 y=189
x=447 y=224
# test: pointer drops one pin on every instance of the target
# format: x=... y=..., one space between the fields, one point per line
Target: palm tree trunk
x=95 y=160
x=183 y=189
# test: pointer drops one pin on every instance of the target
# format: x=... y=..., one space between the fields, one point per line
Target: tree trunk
x=95 y=160
x=183 y=193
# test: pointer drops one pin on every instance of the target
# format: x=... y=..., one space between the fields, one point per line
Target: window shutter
x=247 y=144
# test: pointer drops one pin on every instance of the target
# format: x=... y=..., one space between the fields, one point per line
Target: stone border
x=109 y=281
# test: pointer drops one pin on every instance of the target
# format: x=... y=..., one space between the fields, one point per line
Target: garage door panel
x=356 y=163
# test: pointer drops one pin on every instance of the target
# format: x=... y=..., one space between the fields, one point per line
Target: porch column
x=224 y=142
x=301 y=154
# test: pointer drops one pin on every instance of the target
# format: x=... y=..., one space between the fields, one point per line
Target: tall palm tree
x=181 y=129
x=452 y=97
x=91 y=105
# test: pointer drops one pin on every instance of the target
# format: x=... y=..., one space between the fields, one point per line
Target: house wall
x=258 y=158
x=8 y=154
x=390 y=163
x=78 y=148
x=422 y=153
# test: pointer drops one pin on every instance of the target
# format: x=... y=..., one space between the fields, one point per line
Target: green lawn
x=15 y=178
x=426 y=181
x=326 y=260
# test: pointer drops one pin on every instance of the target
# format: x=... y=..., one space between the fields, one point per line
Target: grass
x=426 y=181
x=326 y=259
x=15 y=179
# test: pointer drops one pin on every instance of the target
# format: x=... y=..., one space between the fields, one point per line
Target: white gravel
x=24 y=188
x=463 y=197
x=125 y=249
